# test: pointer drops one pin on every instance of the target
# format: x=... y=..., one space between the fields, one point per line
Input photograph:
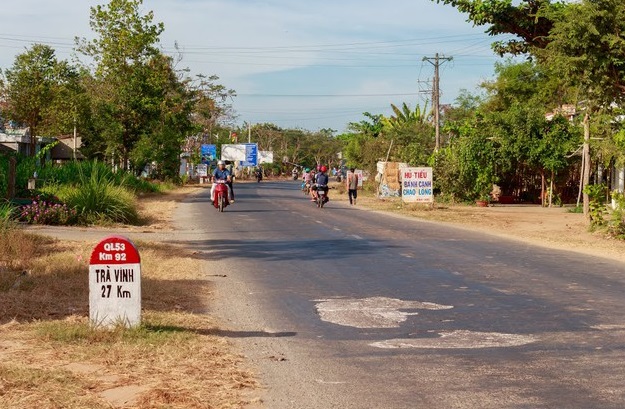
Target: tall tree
x=125 y=44
x=212 y=103
x=161 y=142
x=31 y=85
x=527 y=20
x=404 y=116
x=586 y=46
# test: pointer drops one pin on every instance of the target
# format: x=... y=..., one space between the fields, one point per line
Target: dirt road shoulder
x=555 y=228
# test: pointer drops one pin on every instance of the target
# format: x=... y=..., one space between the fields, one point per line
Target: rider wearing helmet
x=306 y=178
x=307 y=175
x=221 y=173
x=321 y=182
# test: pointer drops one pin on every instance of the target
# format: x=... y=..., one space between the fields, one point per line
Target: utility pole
x=437 y=61
x=75 y=136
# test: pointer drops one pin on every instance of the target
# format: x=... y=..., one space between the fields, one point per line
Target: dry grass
x=50 y=357
x=155 y=210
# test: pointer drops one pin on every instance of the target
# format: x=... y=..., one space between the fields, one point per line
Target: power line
x=325 y=95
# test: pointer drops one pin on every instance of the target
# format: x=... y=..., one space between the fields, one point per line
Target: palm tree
x=406 y=116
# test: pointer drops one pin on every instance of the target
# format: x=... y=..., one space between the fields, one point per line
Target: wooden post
x=586 y=161
x=542 y=188
x=388 y=155
x=12 y=177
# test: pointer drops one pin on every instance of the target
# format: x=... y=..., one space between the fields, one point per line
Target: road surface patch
x=459 y=339
x=609 y=327
x=374 y=312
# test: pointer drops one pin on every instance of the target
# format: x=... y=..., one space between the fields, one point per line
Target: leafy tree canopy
x=527 y=20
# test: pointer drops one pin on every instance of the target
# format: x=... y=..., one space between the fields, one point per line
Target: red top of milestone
x=115 y=250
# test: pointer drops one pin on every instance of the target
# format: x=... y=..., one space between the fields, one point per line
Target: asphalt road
x=347 y=308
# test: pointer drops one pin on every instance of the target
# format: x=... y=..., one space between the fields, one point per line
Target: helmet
x=221 y=162
x=307 y=170
x=323 y=169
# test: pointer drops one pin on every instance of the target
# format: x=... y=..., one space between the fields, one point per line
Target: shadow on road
x=281 y=250
x=246 y=334
x=220 y=332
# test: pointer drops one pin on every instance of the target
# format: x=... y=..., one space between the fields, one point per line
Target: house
x=67 y=148
x=617 y=179
x=568 y=111
x=17 y=140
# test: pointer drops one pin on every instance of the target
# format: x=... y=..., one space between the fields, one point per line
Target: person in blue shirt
x=221 y=173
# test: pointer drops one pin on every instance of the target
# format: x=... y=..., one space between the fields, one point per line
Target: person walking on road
x=352 y=186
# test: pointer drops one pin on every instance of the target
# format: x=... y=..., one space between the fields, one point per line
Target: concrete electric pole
x=437 y=61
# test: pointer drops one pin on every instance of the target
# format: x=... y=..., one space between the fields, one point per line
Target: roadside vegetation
x=547 y=129
x=85 y=192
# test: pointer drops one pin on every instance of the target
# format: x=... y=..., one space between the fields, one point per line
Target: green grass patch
x=576 y=209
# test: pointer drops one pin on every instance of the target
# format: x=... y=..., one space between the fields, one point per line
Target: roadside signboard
x=251 y=155
x=115 y=283
x=208 y=154
x=416 y=185
x=360 y=177
x=202 y=170
x=265 y=157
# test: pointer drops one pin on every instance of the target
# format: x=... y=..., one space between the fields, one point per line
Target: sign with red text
x=416 y=185
x=115 y=283
x=361 y=178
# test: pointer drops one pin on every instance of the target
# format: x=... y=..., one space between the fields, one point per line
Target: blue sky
x=294 y=63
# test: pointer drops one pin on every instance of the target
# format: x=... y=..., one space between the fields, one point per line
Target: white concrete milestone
x=115 y=283
x=373 y=312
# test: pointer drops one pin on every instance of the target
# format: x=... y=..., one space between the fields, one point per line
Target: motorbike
x=306 y=188
x=220 y=201
x=294 y=174
x=259 y=176
x=322 y=196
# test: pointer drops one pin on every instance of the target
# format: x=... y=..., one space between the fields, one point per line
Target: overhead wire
x=387 y=54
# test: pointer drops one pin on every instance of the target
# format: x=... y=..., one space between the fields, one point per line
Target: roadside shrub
x=596 y=195
x=7 y=216
x=4 y=175
x=98 y=199
x=70 y=173
x=616 y=224
x=46 y=209
x=576 y=209
x=139 y=185
x=370 y=186
x=73 y=173
x=25 y=169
